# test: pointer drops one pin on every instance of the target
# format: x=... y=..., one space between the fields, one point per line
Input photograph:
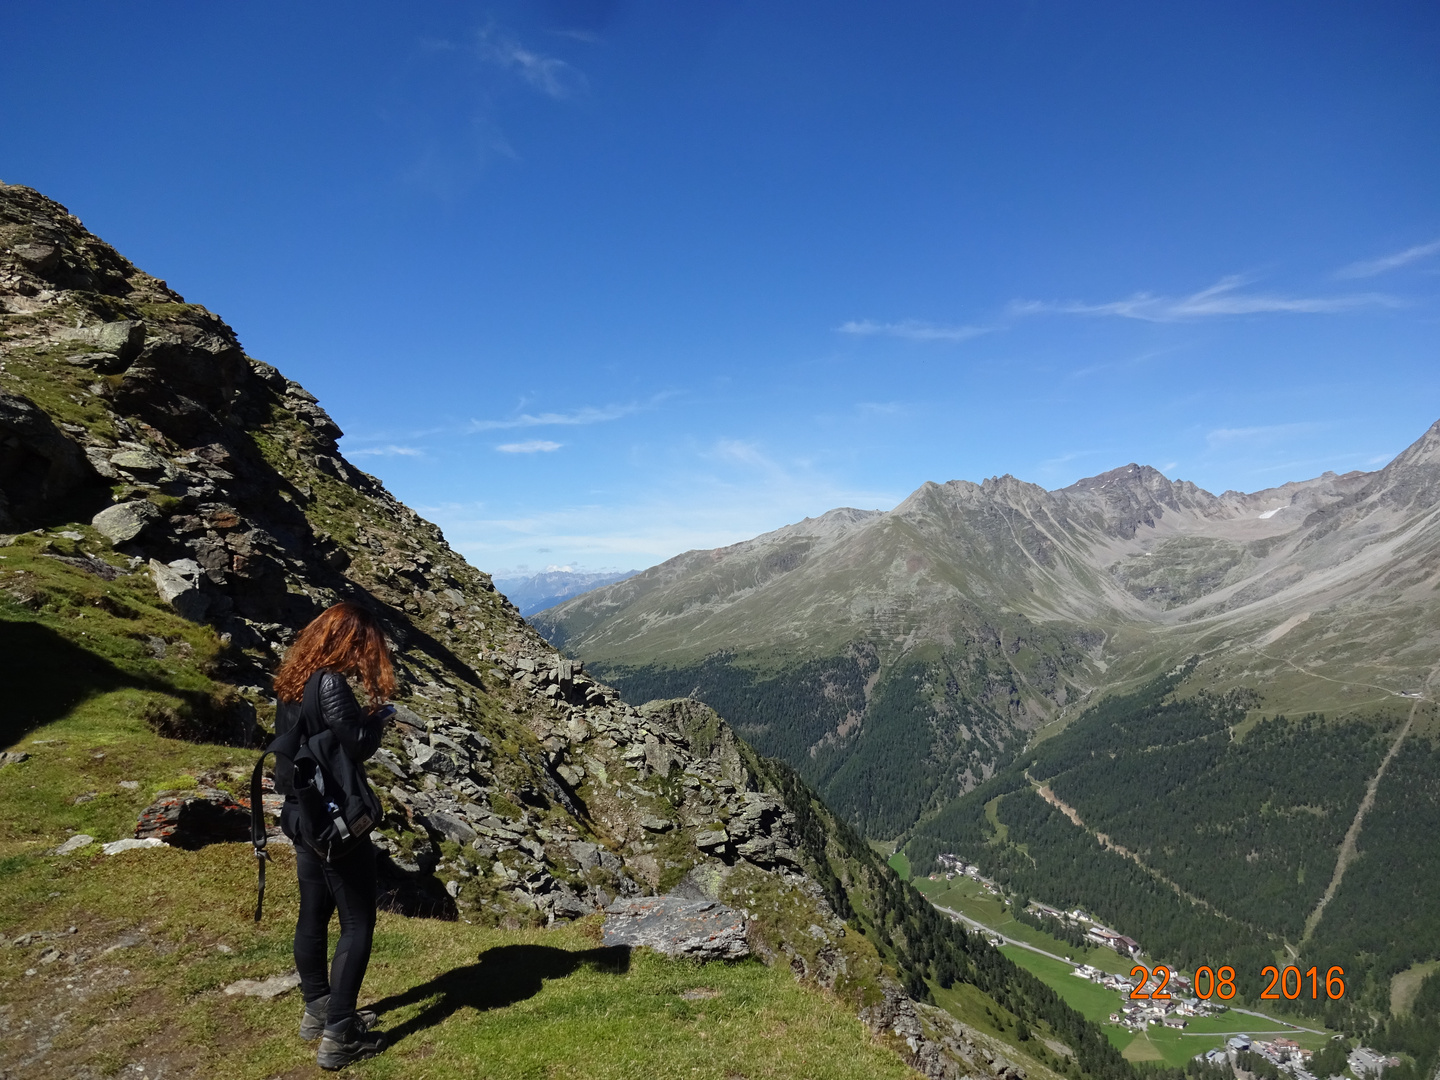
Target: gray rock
x=140 y=462
x=106 y=363
x=99 y=458
x=711 y=839
x=40 y=257
x=585 y=853
x=406 y=715
x=448 y=825
x=566 y=905
x=703 y=881
x=654 y=823
x=57 y=467
x=115 y=847
x=272 y=987
x=75 y=843
x=699 y=929
x=125 y=521
x=124 y=338
x=420 y=753
x=571 y=774
x=178 y=584
x=13 y=757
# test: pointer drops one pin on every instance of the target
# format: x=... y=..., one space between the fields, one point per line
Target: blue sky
x=591 y=283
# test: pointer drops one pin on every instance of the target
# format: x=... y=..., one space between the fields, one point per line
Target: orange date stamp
x=1220 y=983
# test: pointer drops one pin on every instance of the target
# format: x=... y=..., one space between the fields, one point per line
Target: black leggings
x=346 y=885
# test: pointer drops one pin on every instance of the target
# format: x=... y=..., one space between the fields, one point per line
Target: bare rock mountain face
x=145 y=457
x=895 y=658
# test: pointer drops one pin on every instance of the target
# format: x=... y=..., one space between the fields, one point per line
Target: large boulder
x=192 y=819
x=123 y=339
x=125 y=521
x=700 y=929
x=178 y=584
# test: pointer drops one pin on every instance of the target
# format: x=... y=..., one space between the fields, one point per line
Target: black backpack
x=337 y=808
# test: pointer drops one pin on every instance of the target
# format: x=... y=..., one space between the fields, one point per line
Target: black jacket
x=358 y=732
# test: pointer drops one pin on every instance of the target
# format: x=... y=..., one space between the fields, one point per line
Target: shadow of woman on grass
x=502 y=976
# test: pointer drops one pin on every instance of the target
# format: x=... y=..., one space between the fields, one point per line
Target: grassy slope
x=538 y=1003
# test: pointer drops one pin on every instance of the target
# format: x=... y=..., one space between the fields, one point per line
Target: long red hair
x=347 y=640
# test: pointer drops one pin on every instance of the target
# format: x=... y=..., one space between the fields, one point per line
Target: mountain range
x=1207 y=720
x=536 y=592
x=896 y=658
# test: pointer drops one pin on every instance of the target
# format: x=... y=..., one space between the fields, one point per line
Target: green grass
x=1406 y=984
x=900 y=863
x=1090 y=999
x=464 y=1001
x=966 y=896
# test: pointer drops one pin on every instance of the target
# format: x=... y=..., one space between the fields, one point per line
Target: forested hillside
x=1212 y=840
x=932 y=728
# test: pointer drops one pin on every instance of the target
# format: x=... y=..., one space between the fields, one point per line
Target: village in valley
x=1174 y=1012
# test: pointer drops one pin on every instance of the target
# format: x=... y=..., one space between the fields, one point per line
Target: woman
x=343 y=641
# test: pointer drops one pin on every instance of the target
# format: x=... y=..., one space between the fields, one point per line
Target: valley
x=1209 y=720
x=1056 y=961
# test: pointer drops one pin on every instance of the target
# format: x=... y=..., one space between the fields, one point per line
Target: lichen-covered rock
x=698 y=929
x=192 y=819
x=125 y=521
x=178 y=584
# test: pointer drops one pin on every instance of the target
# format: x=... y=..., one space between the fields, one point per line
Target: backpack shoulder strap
x=311 y=718
x=286 y=745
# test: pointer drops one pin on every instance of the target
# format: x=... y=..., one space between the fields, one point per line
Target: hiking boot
x=312 y=1020
x=340 y=1048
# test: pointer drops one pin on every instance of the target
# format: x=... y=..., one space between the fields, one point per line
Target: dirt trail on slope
x=1045 y=792
x=1348 y=847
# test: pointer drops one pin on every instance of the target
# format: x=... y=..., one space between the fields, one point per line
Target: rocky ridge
x=138 y=443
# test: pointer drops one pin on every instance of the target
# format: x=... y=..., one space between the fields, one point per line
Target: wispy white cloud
x=1223 y=298
x=912 y=329
x=1065 y=458
x=530 y=446
x=880 y=408
x=1262 y=435
x=1370 y=267
x=685 y=511
x=588 y=415
x=386 y=451
x=548 y=74
x=756 y=463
